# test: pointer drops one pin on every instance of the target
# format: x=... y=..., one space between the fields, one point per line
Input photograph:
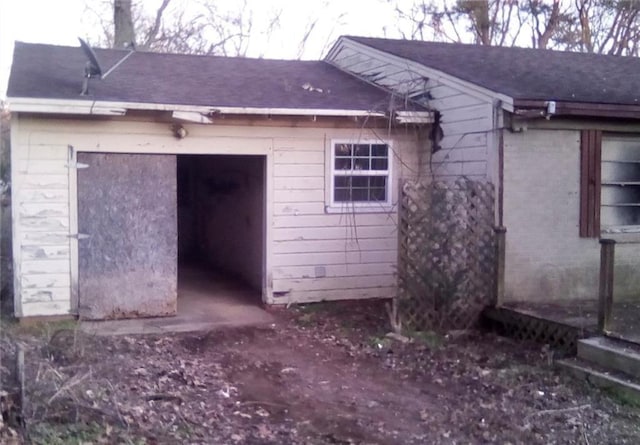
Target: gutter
x=540 y=108
x=113 y=108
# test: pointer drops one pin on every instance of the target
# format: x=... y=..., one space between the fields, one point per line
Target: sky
x=61 y=22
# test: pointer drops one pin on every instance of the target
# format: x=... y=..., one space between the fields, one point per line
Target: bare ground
x=323 y=374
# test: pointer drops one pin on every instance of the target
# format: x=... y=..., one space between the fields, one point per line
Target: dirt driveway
x=323 y=374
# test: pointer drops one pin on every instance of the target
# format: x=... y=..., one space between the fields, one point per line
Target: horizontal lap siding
x=41 y=224
x=466 y=116
x=313 y=255
x=327 y=256
x=465 y=127
x=41 y=190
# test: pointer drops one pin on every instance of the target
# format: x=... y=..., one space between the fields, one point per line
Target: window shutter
x=590 y=161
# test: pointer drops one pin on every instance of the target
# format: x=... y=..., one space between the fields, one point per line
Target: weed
x=305 y=320
x=622 y=397
x=379 y=342
x=45 y=433
x=428 y=338
x=312 y=308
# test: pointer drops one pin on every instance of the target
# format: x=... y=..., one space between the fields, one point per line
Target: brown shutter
x=590 y=158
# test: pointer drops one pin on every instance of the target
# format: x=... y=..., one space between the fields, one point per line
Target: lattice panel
x=446 y=266
x=560 y=337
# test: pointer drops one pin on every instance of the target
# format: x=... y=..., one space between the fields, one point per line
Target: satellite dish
x=92 y=69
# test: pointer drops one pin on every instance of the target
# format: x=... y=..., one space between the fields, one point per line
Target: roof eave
x=113 y=108
x=540 y=108
x=475 y=89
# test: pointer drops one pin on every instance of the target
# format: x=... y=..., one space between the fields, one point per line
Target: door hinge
x=80 y=236
x=77 y=165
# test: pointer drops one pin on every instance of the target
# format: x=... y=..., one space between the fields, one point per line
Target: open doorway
x=221 y=229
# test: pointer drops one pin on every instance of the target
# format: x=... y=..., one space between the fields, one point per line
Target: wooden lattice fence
x=447 y=255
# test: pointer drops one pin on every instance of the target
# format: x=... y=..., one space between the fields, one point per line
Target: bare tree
x=485 y=22
x=601 y=26
x=123 y=35
x=544 y=19
x=192 y=27
x=200 y=28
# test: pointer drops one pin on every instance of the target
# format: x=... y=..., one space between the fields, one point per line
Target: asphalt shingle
x=56 y=72
x=524 y=73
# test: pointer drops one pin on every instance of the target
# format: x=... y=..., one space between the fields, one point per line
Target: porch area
x=560 y=324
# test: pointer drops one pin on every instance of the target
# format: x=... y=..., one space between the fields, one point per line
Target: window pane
x=342 y=181
x=360 y=195
x=344 y=149
x=378 y=181
x=379 y=150
x=379 y=164
x=361 y=181
x=362 y=150
x=341 y=195
x=378 y=194
x=343 y=164
x=361 y=164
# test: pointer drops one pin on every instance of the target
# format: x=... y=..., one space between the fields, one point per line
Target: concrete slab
x=206 y=300
x=619 y=385
x=612 y=354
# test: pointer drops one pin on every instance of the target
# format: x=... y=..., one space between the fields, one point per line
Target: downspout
x=500 y=177
x=500 y=230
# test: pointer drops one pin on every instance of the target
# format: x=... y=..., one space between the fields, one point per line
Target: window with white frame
x=361 y=173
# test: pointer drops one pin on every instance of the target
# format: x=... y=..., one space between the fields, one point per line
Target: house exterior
x=557 y=133
x=285 y=173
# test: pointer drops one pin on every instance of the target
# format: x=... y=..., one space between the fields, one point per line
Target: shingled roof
x=56 y=72
x=526 y=74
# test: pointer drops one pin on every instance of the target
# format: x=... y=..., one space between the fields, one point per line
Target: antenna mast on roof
x=92 y=67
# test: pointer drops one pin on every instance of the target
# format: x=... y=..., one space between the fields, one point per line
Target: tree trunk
x=123 y=35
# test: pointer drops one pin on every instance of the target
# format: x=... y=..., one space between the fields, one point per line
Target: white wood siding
x=322 y=256
x=467 y=113
x=311 y=255
x=40 y=188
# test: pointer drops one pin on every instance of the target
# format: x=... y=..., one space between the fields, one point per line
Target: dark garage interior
x=221 y=224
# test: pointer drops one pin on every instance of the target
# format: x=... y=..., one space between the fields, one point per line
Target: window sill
x=350 y=208
x=628 y=235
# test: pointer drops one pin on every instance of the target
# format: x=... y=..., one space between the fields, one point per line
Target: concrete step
x=614 y=355
x=618 y=384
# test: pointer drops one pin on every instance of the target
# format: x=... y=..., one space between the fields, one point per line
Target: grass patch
x=81 y=433
x=379 y=342
x=623 y=397
x=428 y=338
x=45 y=433
x=36 y=329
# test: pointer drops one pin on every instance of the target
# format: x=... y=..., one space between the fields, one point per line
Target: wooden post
x=605 y=298
x=501 y=238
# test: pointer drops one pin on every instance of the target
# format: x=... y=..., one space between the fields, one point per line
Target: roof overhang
x=541 y=108
x=183 y=112
x=505 y=101
x=195 y=113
